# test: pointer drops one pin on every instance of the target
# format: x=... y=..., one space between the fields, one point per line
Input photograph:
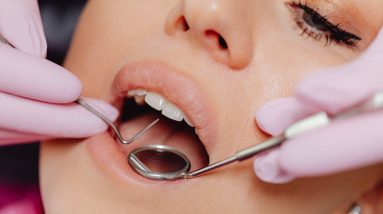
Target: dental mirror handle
x=240 y=155
x=313 y=122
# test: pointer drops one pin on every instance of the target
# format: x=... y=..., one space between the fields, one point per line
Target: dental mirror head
x=159 y=162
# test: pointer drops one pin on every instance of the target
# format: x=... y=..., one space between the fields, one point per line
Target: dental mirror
x=159 y=162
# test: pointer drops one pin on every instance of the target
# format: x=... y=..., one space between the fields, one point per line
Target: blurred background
x=19 y=164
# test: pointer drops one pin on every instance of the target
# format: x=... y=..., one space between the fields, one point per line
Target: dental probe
x=315 y=121
x=111 y=124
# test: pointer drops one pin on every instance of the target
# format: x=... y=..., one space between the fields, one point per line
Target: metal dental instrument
x=143 y=162
x=111 y=124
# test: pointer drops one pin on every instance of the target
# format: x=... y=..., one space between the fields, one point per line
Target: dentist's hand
x=344 y=145
x=36 y=94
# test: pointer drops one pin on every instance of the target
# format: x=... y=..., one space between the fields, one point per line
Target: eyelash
x=320 y=27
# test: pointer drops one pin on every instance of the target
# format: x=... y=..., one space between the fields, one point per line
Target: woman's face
x=217 y=62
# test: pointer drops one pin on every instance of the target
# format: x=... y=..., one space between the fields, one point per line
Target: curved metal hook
x=114 y=127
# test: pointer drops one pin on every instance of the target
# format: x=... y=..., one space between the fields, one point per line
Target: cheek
x=56 y=174
x=277 y=68
x=108 y=35
x=71 y=182
x=87 y=50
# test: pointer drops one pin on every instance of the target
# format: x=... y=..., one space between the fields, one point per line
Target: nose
x=219 y=27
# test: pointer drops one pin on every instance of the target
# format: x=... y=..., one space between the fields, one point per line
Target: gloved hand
x=35 y=94
x=343 y=145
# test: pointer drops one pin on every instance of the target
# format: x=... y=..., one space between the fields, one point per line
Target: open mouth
x=173 y=129
x=145 y=91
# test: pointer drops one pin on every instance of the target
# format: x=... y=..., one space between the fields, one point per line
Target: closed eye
x=318 y=27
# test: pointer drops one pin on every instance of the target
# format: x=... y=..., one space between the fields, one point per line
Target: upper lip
x=176 y=87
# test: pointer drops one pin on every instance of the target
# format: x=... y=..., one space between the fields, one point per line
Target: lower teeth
x=140 y=100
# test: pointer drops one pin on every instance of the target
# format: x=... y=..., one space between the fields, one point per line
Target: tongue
x=169 y=133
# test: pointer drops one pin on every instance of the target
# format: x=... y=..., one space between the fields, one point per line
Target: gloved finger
x=67 y=120
x=8 y=137
x=336 y=89
x=275 y=116
x=376 y=46
x=36 y=78
x=20 y=24
x=344 y=145
x=268 y=169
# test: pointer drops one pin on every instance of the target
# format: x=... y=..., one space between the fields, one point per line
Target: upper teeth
x=159 y=103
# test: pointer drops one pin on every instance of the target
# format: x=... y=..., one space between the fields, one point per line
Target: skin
x=265 y=59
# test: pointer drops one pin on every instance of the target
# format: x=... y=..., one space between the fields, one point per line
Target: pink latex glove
x=35 y=94
x=344 y=145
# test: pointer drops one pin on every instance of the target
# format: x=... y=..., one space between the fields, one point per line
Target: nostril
x=217 y=38
x=183 y=24
x=222 y=42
